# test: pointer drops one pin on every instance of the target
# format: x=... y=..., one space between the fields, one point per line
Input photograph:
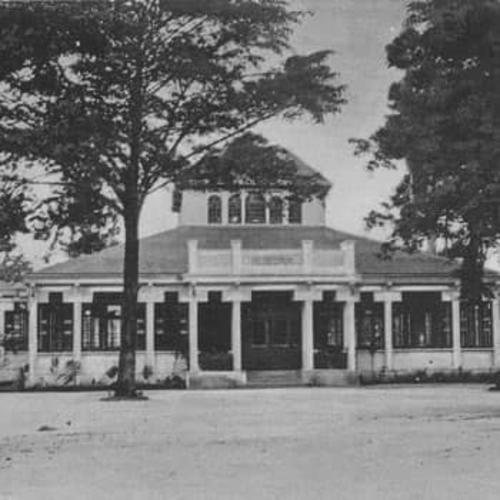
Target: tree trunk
x=125 y=386
x=132 y=204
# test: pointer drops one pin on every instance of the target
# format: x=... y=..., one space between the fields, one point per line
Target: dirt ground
x=394 y=442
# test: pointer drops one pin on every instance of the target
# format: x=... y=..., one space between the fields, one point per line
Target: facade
x=250 y=282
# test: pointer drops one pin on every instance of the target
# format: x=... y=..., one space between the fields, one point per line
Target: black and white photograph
x=249 y=249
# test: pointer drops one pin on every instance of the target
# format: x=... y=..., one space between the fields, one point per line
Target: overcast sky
x=357 y=30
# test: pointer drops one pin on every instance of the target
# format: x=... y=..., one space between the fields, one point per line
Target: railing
x=239 y=261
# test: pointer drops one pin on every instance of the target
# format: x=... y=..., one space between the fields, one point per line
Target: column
x=455 y=331
x=3 y=308
x=150 y=333
x=307 y=256
x=307 y=335
x=236 y=334
x=495 y=317
x=350 y=333
x=5 y=305
x=192 y=256
x=77 y=330
x=193 y=332
x=32 y=336
x=388 y=333
x=236 y=256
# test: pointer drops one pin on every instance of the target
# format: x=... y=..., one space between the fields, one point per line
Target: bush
x=216 y=361
x=175 y=382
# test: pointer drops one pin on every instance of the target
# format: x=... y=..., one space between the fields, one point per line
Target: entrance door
x=271 y=332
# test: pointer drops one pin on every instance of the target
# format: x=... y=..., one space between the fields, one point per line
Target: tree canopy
x=251 y=162
x=113 y=99
x=444 y=121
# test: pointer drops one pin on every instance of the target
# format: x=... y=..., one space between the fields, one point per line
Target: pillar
x=236 y=334
x=307 y=256
x=32 y=336
x=389 y=365
x=193 y=333
x=77 y=330
x=455 y=332
x=150 y=333
x=350 y=333
x=307 y=335
x=5 y=305
x=495 y=316
x=3 y=308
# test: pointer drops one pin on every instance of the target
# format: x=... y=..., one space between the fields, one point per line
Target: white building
x=248 y=287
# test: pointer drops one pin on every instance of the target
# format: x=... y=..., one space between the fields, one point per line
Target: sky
x=357 y=31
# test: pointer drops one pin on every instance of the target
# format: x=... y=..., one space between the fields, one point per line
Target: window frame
x=214 y=209
x=255 y=209
x=234 y=209
x=276 y=207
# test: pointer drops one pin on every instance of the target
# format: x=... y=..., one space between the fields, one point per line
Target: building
x=250 y=283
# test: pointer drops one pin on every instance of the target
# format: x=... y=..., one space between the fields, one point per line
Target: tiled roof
x=166 y=253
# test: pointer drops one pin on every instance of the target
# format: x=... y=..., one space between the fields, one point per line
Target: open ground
x=393 y=442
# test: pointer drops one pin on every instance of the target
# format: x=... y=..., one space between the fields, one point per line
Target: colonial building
x=251 y=283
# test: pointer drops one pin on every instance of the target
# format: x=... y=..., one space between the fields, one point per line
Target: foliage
x=216 y=361
x=114 y=99
x=249 y=161
x=14 y=267
x=444 y=122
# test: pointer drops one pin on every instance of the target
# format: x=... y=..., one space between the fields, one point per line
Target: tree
x=444 y=122
x=125 y=95
x=250 y=161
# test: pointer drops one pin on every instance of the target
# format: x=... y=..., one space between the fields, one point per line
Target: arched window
x=294 y=211
x=214 y=209
x=255 y=209
x=276 y=210
x=234 y=209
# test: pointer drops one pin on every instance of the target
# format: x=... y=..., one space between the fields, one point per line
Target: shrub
x=216 y=361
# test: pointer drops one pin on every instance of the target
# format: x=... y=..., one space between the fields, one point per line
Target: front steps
x=272 y=378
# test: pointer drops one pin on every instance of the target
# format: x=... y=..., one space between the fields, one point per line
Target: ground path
x=393 y=442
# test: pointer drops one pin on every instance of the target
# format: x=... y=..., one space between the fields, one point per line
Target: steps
x=274 y=378
x=297 y=378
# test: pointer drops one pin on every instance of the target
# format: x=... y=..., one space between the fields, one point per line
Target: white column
x=495 y=317
x=244 y=195
x=32 y=336
x=193 y=333
x=192 y=256
x=307 y=256
x=388 y=333
x=236 y=334
x=350 y=333
x=2 y=318
x=307 y=335
x=4 y=306
x=150 y=333
x=77 y=330
x=236 y=256
x=455 y=332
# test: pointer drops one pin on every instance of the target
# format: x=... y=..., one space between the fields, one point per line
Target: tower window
x=276 y=210
x=255 y=205
x=214 y=209
x=234 y=209
x=294 y=211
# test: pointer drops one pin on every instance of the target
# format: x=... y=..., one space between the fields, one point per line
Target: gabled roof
x=166 y=254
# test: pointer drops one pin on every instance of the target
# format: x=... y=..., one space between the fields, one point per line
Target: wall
x=54 y=369
x=11 y=364
x=431 y=360
x=194 y=210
